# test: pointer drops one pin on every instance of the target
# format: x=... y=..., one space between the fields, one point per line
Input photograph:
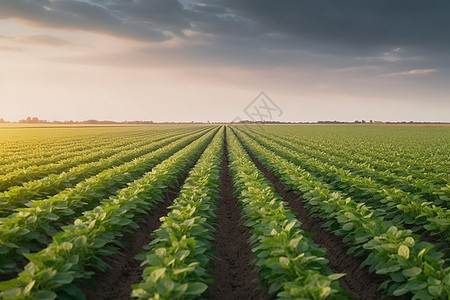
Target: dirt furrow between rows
x=234 y=276
x=115 y=283
x=359 y=282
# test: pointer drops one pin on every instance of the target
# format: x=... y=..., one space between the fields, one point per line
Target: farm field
x=225 y=212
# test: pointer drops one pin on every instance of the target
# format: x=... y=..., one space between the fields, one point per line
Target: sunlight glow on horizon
x=66 y=74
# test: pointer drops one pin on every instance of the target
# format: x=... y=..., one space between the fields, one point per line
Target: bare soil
x=125 y=270
x=234 y=276
x=359 y=282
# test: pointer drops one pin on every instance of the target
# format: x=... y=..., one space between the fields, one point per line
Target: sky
x=168 y=60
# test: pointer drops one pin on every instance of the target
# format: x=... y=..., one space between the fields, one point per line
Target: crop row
x=34 y=172
x=391 y=203
x=176 y=265
x=28 y=229
x=84 y=148
x=420 y=187
x=407 y=146
x=23 y=150
x=360 y=150
x=290 y=262
x=75 y=252
x=31 y=152
x=20 y=196
x=413 y=267
x=57 y=153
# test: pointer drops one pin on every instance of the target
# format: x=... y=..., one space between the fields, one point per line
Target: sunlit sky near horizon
x=167 y=60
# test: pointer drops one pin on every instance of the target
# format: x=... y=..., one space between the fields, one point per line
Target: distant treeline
x=334 y=122
x=35 y=120
x=378 y=122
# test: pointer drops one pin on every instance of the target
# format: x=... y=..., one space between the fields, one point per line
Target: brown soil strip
x=115 y=283
x=8 y=276
x=137 y=240
x=359 y=282
x=232 y=271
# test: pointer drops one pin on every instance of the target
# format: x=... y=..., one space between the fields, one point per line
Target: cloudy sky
x=207 y=60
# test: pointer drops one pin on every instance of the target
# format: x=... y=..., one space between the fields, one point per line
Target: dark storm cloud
x=119 y=18
x=357 y=24
x=396 y=36
x=167 y=15
x=399 y=36
x=410 y=34
x=354 y=23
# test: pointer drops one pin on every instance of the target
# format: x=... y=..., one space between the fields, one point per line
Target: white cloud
x=412 y=72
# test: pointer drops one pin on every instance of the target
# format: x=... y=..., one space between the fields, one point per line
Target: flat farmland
x=225 y=212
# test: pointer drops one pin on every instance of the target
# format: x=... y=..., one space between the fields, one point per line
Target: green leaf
x=66 y=246
x=181 y=289
x=388 y=269
x=348 y=226
x=400 y=291
x=422 y=295
x=125 y=221
x=51 y=216
x=422 y=252
x=161 y=252
x=63 y=278
x=325 y=291
x=284 y=261
x=416 y=285
x=403 y=251
x=29 y=286
x=182 y=270
x=80 y=241
x=45 y=295
x=294 y=242
x=166 y=285
x=73 y=259
x=156 y=274
x=196 y=288
x=435 y=290
x=412 y=272
x=11 y=245
x=99 y=243
x=447 y=279
x=274 y=287
x=289 y=226
x=392 y=230
x=336 y=276
x=429 y=227
x=350 y=215
x=409 y=241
